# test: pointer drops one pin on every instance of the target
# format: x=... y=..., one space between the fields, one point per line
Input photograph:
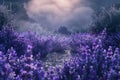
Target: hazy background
x=49 y=15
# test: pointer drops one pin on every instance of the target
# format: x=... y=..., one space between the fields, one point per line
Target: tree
x=6 y=17
x=109 y=19
x=63 y=30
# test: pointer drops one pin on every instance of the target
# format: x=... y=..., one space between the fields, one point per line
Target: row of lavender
x=20 y=57
x=41 y=44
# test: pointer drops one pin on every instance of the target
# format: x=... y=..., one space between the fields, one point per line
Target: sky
x=55 y=13
x=49 y=15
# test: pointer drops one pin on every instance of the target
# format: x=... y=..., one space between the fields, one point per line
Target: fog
x=49 y=15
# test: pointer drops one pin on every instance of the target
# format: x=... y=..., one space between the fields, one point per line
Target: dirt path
x=54 y=59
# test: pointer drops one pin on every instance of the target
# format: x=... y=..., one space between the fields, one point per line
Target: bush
x=9 y=38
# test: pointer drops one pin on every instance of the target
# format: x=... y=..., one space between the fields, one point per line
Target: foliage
x=6 y=17
x=93 y=59
x=49 y=44
x=9 y=38
x=109 y=19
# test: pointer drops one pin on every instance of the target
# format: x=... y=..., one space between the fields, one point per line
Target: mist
x=53 y=14
x=49 y=15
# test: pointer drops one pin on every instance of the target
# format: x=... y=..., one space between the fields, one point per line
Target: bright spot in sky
x=55 y=13
x=59 y=7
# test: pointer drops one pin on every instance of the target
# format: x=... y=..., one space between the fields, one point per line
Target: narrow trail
x=54 y=59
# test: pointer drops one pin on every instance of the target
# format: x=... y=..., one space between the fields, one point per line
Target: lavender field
x=86 y=48
x=77 y=57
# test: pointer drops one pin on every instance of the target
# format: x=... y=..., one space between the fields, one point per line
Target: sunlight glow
x=61 y=7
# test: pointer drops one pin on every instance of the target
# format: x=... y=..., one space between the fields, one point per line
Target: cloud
x=51 y=14
x=53 y=7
